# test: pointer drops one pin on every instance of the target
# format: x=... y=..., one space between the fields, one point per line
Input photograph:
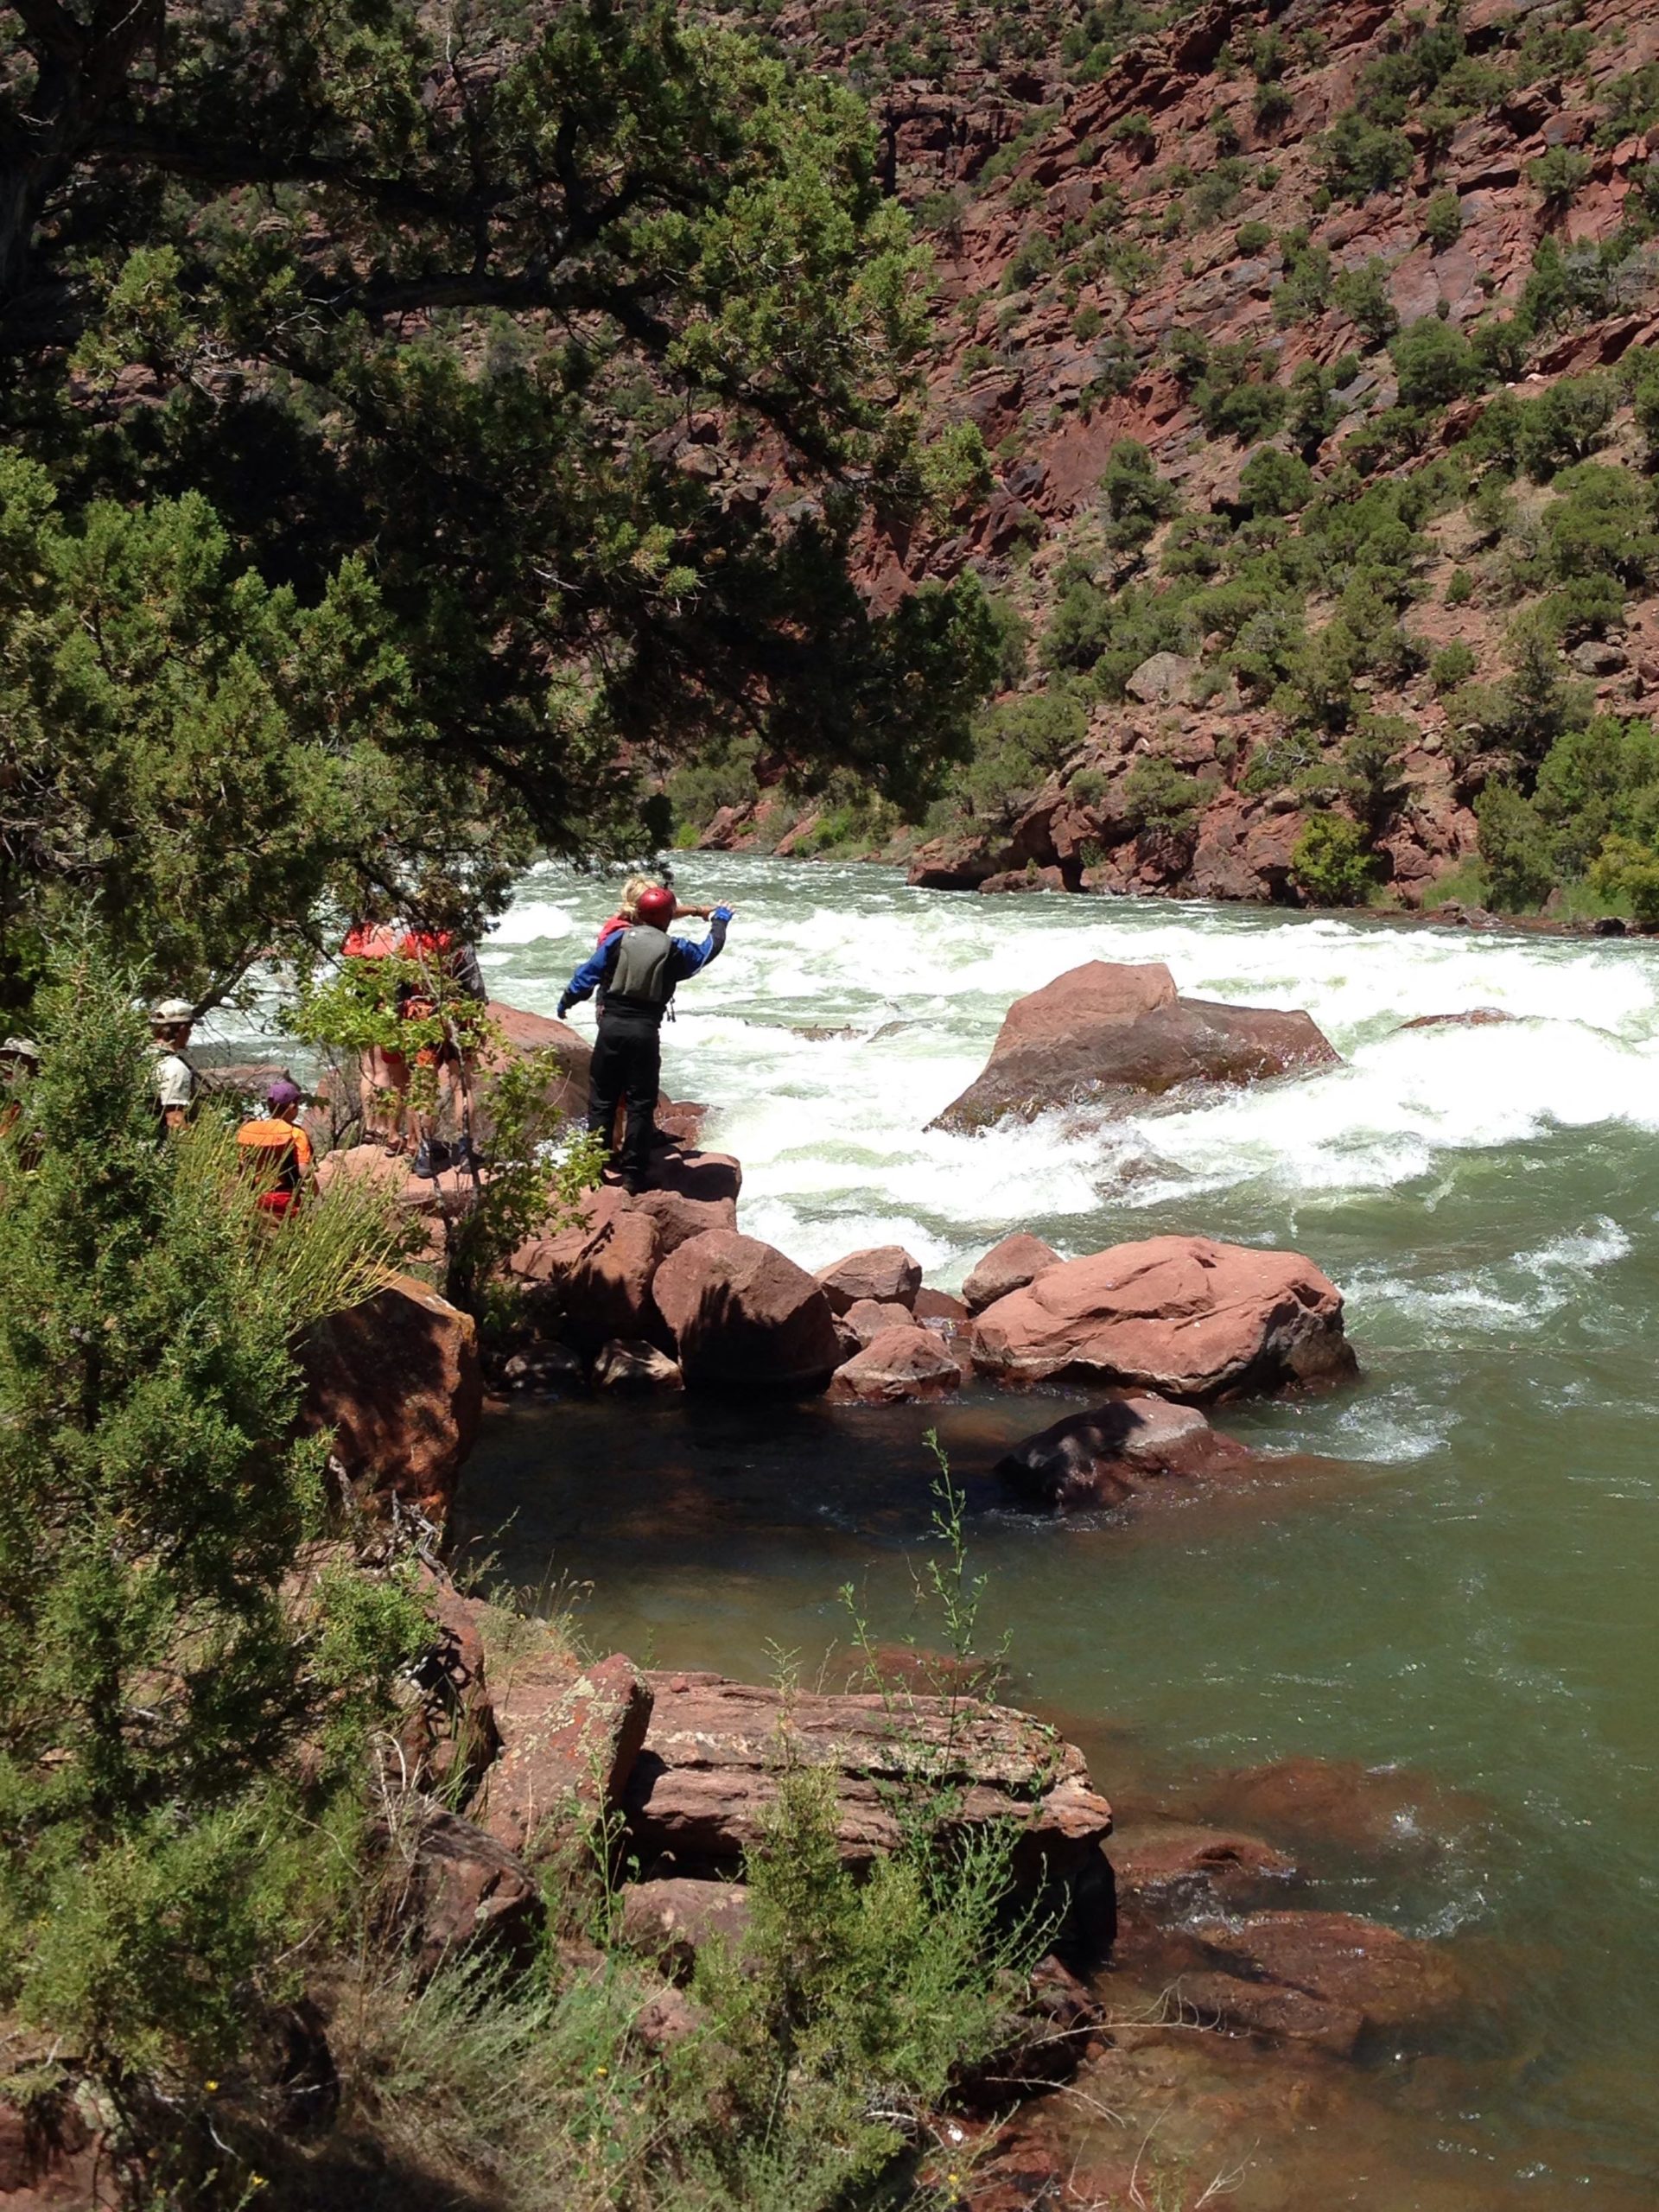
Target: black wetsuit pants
x=627 y=1064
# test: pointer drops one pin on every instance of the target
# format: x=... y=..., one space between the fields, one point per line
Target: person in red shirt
x=382 y=1075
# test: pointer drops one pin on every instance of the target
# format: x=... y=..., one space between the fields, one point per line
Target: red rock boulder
x=1179 y=1315
x=864 y=1322
x=570 y=1737
x=898 y=1364
x=460 y=1890
x=395 y=1383
x=740 y=1313
x=886 y=1275
x=1111 y=1036
x=1118 y=1451
x=1009 y=1266
x=702 y=1785
x=522 y=1033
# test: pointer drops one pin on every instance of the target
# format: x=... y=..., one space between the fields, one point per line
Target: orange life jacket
x=277 y=1156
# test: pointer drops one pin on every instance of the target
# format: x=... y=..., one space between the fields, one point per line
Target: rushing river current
x=1461 y=1577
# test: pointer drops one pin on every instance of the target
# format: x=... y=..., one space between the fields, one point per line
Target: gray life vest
x=640 y=981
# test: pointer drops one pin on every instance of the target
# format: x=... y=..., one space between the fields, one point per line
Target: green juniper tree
x=152 y=1500
x=414 y=325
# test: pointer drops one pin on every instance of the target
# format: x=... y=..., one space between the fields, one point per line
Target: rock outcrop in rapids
x=1110 y=1036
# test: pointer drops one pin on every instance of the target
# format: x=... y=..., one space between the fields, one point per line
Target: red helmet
x=656 y=907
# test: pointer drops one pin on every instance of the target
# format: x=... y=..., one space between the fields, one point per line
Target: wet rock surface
x=1116 y=1452
x=1006 y=1266
x=908 y=1362
x=741 y=1312
x=886 y=1275
x=1181 y=1316
x=1112 y=1037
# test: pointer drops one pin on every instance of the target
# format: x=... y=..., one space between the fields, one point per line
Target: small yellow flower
x=256 y=2181
x=601 y=2071
x=211 y=2087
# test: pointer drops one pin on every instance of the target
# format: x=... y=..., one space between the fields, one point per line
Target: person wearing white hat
x=170 y=1024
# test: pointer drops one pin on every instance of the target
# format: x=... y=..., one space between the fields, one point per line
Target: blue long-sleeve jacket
x=685 y=959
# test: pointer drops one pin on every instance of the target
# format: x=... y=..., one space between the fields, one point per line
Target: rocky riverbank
x=1199 y=1924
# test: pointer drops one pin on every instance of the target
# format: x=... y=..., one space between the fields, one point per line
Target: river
x=1464 y=1585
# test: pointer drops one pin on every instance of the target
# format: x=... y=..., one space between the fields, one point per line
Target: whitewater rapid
x=849 y=1010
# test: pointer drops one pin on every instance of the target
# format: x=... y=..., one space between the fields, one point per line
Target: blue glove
x=720 y=914
x=564 y=1007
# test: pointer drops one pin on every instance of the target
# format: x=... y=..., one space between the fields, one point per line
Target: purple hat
x=282 y=1093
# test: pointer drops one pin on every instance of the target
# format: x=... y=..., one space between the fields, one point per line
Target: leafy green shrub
x=1516 y=848
x=1359 y=157
x=1533 y=704
x=1498 y=345
x=1137 y=133
x=1280 y=763
x=1271 y=108
x=1596 y=782
x=1159 y=796
x=1629 y=103
x=1329 y=862
x=1564 y=424
x=1032 y=257
x=1272 y=482
x=1305 y=288
x=1087 y=323
x=1362 y=296
x=1216 y=196
x=1460 y=587
x=1443 y=220
x=1601 y=523
x=1587 y=606
x=1253 y=237
x=724 y=775
x=1231 y=397
x=1628 y=868
x=1451 y=666
x=1137 y=498
x=1371 y=772
x=1014 y=746
x=941 y=213
x=1432 y=362
x=1559 y=175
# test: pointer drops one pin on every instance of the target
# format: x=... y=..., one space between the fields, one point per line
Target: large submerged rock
x=1110 y=1036
x=1117 y=1452
x=1179 y=1315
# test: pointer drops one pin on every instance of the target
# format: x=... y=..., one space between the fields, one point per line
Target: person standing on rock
x=175 y=1079
x=637 y=971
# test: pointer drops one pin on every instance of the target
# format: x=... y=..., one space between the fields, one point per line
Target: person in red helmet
x=636 y=970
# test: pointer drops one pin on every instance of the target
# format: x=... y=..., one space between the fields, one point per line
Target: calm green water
x=1461 y=1581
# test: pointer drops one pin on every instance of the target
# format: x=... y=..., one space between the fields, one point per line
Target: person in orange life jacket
x=637 y=971
x=277 y=1151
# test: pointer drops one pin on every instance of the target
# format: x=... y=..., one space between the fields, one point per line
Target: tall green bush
x=152 y=1500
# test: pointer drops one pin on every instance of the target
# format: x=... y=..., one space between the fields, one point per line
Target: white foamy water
x=849 y=1010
